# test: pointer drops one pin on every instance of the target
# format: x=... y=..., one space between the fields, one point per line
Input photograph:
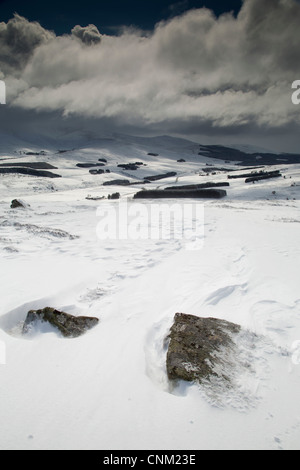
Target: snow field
x=108 y=389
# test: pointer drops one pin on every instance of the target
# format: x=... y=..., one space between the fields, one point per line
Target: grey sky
x=195 y=75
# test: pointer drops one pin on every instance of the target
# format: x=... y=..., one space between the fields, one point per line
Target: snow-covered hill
x=108 y=389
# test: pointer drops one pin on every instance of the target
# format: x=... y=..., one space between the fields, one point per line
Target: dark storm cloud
x=193 y=70
x=272 y=33
x=18 y=39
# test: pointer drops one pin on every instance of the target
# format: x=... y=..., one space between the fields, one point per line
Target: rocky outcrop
x=198 y=348
x=69 y=326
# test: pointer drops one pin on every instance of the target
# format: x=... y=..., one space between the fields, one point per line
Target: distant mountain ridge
x=126 y=146
x=227 y=153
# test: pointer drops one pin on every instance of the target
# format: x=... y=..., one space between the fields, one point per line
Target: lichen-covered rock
x=69 y=325
x=197 y=346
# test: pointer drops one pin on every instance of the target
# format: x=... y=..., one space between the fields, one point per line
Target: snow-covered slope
x=108 y=389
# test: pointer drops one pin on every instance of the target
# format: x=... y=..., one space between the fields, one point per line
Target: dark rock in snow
x=117 y=183
x=69 y=325
x=96 y=172
x=160 y=177
x=197 y=347
x=257 y=175
x=129 y=166
x=179 y=194
x=89 y=165
x=266 y=176
x=29 y=172
x=123 y=183
x=94 y=198
x=32 y=165
x=198 y=186
x=114 y=196
x=18 y=204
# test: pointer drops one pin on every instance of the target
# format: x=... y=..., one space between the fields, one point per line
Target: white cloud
x=223 y=71
x=88 y=35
